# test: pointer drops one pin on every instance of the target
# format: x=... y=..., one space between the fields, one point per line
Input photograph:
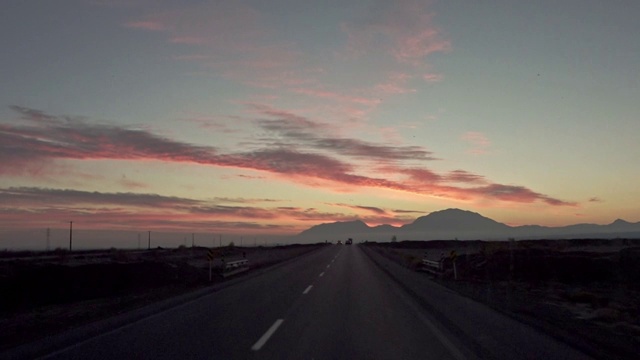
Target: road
x=334 y=303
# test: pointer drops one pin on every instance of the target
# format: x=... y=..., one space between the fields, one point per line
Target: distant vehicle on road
x=349 y=241
x=339 y=242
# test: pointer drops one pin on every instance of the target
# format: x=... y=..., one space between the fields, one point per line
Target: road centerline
x=263 y=340
x=307 y=289
x=321 y=274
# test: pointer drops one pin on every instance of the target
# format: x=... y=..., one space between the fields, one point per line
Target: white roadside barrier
x=234 y=267
x=431 y=266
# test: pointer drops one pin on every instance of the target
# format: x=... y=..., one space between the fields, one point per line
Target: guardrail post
x=455 y=270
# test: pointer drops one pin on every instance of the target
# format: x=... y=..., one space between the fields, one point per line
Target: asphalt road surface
x=334 y=303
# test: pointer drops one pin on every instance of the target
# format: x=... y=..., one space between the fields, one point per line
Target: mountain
x=463 y=225
x=344 y=229
x=454 y=219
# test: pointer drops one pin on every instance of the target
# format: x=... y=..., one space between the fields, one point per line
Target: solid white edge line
x=307 y=289
x=263 y=340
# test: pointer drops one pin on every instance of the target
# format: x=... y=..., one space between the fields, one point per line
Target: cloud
x=432 y=78
x=215 y=124
x=417 y=175
x=479 y=142
x=51 y=137
x=396 y=84
x=461 y=176
x=131 y=184
x=250 y=177
x=401 y=211
x=243 y=200
x=33 y=115
x=151 y=25
x=231 y=39
x=370 y=209
x=338 y=96
x=315 y=135
x=52 y=207
x=313 y=160
x=516 y=194
x=125 y=219
x=405 y=30
x=33 y=196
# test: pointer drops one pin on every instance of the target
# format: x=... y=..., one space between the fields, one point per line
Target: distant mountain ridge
x=463 y=225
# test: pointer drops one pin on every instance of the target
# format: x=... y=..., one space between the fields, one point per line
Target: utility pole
x=48 y=235
x=149 y=242
x=220 y=241
x=70 y=236
x=138 y=241
x=193 y=239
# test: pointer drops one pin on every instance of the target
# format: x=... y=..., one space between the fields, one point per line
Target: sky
x=264 y=118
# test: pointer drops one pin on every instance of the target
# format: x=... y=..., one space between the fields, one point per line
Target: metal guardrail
x=234 y=267
x=230 y=265
x=431 y=266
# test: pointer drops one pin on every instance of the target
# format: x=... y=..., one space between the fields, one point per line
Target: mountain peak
x=620 y=222
x=454 y=219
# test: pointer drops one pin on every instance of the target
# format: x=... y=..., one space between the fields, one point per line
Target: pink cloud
x=191 y=40
x=415 y=47
x=480 y=143
x=431 y=78
x=232 y=39
x=405 y=30
x=396 y=84
x=151 y=25
x=338 y=96
x=305 y=133
x=461 y=176
x=68 y=138
x=252 y=177
x=215 y=124
x=45 y=207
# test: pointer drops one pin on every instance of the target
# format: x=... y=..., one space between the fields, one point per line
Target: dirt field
x=46 y=293
x=586 y=292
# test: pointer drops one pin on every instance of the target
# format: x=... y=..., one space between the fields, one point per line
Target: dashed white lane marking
x=328 y=266
x=321 y=274
x=263 y=340
x=307 y=289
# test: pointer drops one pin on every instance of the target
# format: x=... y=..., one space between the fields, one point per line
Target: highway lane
x=355 y=312
x=334 y=303
x=222 y=325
